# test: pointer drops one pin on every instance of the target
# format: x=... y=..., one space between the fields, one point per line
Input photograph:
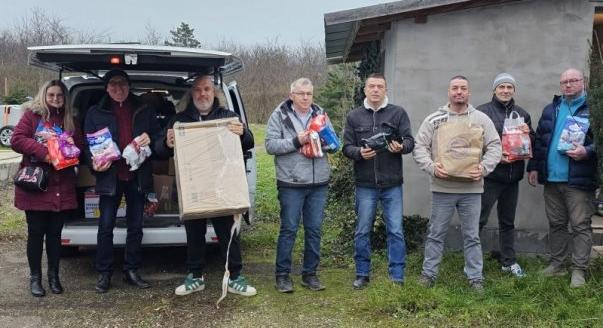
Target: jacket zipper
x=375 y=159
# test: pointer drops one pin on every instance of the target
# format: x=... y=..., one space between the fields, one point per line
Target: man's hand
x=169 y=138
x=143 y=139
x=524 y=128
x=304 y=137
x=101 y=168
x=236 y=128
x=578 y=153
x=533 y=178
x=395 y=147
x=505 y=158
x=476 y=173
x=439 y=171
x=367 y=153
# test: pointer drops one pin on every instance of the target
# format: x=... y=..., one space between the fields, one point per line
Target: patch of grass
x=12 y=220
x=267 y=206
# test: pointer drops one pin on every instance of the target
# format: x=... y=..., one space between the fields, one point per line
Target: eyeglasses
x=570 y=81
x=55 y=95
x=301 y=94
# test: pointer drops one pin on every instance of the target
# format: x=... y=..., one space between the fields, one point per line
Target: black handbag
x=31 y=178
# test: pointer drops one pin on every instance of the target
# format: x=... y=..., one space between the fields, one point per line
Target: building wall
x=532 y=40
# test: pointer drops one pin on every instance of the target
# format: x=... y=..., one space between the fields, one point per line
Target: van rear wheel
x=5 y=134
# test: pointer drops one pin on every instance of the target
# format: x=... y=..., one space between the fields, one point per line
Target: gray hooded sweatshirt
x=424 y=152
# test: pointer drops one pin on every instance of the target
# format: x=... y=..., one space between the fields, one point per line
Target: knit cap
x=503 y=78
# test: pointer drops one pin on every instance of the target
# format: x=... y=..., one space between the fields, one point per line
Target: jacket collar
x=383 y=105
x=500 y=105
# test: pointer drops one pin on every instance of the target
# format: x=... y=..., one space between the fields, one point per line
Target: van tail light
x=65 y=241
x=115 y=60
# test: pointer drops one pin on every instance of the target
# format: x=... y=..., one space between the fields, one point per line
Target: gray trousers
x=565 y=206
x=468 y=207
x=505 y=196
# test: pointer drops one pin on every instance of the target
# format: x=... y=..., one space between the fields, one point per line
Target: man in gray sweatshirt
x=450 y=193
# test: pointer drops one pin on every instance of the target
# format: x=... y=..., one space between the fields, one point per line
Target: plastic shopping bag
x=516 y=144
x=135 y=155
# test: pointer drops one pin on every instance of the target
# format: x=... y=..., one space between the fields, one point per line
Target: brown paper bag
x=459 y=147
x=210 y=170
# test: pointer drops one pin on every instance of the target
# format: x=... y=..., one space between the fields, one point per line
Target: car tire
x=5 y=134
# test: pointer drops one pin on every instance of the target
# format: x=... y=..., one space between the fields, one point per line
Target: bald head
x=572 y=83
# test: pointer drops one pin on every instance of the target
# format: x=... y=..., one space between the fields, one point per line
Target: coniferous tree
x=183 y=36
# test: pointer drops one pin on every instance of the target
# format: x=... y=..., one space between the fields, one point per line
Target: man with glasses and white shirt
x=302 y=184
x=569 y=176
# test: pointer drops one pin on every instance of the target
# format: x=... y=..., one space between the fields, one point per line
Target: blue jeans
x=297 y=203
x=366 y=206
x=468 y=207
x=108 y=206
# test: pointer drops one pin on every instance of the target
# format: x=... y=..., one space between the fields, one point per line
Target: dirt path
x=122 y=306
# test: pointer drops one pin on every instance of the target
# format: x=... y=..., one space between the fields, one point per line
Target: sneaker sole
x=313 y=288
x=286 y=291
x=187 y=292
x=238 y=292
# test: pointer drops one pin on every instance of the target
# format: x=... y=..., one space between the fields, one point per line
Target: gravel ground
x=122 y=306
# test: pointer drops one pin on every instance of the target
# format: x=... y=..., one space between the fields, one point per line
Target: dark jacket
x=385 y=169
x=497 y=111
x=582 y=174
x=60 y=195
x=191 y=114
x=293 y=169
x=143 y=120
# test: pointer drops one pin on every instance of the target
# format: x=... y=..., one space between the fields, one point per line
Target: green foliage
x=371 y=63
x=183 y=36
x=266 y=202
x=335 y=96
x=16 y=96
x=595 y=103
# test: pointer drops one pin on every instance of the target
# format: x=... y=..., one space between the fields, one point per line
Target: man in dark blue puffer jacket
x=569 y=176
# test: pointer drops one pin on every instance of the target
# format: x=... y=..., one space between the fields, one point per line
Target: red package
x=312 y=149
x=516 y=145
x=56 y=156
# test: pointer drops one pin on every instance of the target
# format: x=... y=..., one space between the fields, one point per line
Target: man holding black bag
x=502 y=185
x=370 y=135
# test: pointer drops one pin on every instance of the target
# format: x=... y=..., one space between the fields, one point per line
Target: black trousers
x=42 y=224
x=195 y=241
x=505 y=195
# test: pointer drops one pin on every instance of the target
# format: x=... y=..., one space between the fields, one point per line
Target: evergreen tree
x=183 y=36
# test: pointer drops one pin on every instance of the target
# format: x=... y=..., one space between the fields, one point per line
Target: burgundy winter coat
x=60 y=195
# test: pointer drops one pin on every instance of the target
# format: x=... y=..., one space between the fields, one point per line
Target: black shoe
x=53 y=281
x=360 y=282
x=284 y=284
x=311 y=281
x=35 y=284
x=133 y=278
x=103 y=282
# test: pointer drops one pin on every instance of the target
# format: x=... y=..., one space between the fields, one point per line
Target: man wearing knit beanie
x=502 y=185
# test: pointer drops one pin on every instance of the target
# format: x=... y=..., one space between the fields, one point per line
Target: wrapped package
x=574 y=132
x=516 y=144
x=312 y=149
x=321 y=125
x=68 y=149
x=102 y=146
x=135 y=155
x=58 y=160
x=459 y=147
x=210 y=170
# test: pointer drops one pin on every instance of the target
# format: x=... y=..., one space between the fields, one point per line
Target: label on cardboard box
x=91 y=210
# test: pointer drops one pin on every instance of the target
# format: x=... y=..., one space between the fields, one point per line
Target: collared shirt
x=383 y=105
x=303 y=117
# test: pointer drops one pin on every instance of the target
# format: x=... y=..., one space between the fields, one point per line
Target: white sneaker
x=241 y=287
x=190 y=285
x=515 y=270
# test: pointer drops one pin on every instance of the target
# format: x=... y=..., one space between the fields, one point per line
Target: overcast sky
x=244 y=22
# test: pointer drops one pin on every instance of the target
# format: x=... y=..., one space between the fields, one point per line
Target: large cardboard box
x=210 y=170
x=91 y=210
x=165 y=191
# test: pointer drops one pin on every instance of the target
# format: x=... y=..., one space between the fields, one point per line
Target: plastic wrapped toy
x=516 y=143
x=59 y=161
x=102 y=147
x=68 y=149
x=135 y=155
x=574 y=132
x=321 y=125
